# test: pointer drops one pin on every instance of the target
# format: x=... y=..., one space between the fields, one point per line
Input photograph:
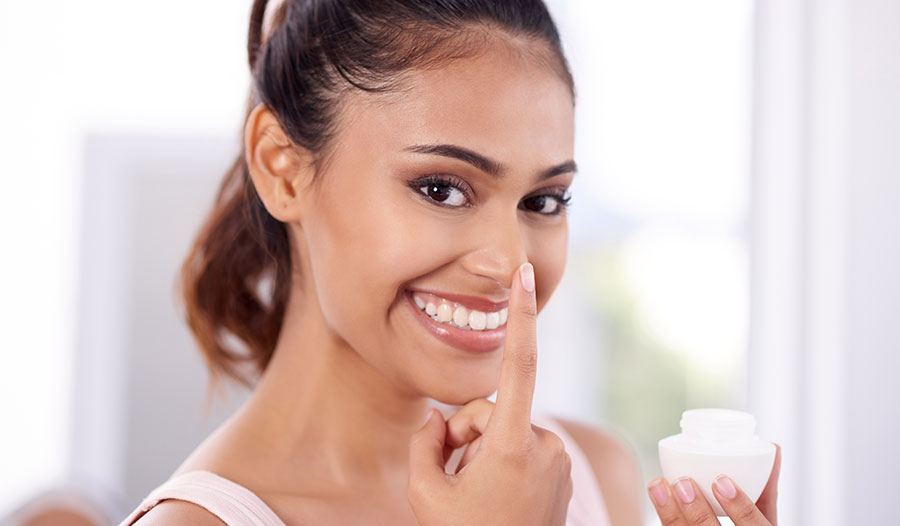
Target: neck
x=323 y=411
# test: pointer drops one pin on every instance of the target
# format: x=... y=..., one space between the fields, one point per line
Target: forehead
x=499 y=102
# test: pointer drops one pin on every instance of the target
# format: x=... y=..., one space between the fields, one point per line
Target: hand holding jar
x=717 y=466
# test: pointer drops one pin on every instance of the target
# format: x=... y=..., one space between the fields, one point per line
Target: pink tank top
x=236 y=505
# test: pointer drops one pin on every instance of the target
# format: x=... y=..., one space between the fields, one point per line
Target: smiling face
x=375 y=226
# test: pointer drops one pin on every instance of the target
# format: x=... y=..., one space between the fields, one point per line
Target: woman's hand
x=685 y=505
x=517 y=473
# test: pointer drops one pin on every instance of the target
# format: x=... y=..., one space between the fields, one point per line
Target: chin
x=457 y=393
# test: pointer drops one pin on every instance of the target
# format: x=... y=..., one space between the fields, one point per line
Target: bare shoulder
x=616 y=468
x=173 y=511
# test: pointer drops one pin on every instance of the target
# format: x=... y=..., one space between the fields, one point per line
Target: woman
x=391 y=229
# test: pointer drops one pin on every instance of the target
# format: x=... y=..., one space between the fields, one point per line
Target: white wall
x=137 y=406
x=826 y=338
x=873 y=264
x=68 y=68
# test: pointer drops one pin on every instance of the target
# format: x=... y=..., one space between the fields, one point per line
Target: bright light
x=692 y=293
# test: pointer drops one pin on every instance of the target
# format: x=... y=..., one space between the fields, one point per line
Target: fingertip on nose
x=526 y=274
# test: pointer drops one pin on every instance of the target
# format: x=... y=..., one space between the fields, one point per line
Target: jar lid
x=717 y=431
x=717 y=425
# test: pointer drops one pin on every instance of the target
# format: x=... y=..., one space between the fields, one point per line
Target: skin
x=329 y=433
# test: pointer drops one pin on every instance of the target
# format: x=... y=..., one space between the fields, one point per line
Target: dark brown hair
x=237 y=277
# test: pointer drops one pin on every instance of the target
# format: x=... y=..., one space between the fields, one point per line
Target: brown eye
x=444 y=191
x=535 y=204
x=542 y=204
x=438 y=193
x=445 y=194
x=548 y=204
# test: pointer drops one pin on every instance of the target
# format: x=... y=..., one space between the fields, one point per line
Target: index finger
x=512 y=412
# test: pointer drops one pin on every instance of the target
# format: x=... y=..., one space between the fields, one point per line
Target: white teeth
x=477 y=320
x=443 y=311
x=460 y=316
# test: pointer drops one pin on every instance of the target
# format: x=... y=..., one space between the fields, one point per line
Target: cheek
x=549 y=260
x=365 y=242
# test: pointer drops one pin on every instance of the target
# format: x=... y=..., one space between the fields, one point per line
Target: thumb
x=767 y=502
x=426 y=453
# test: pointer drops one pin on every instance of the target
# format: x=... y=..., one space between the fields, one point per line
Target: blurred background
x=733 y=237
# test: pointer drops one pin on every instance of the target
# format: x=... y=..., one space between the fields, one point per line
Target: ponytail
x=236 y=279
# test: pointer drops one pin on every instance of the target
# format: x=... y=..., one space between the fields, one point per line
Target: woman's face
x=373 y=229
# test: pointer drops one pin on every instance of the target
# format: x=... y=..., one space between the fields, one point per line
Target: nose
x=499 y=249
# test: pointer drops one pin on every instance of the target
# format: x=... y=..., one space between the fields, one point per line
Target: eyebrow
x=485 y=164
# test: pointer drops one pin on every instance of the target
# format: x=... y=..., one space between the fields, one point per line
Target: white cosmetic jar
x=717 y=442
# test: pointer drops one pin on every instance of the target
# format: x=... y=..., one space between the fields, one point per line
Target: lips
x=467 y=340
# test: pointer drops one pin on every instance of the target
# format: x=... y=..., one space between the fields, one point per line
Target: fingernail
x=428 y=417
x=725 y=487
x=526 y=272
x=685 y=490
x=658 y=493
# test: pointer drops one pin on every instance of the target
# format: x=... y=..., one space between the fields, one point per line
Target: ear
x=280 y=170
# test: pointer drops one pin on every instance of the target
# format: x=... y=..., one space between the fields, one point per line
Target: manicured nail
x=658 y=492
x=725 y=487
x=526 y=272
x=685 y=490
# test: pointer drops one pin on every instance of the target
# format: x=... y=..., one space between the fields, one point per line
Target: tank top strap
x=587 y=506
x=232 y=503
